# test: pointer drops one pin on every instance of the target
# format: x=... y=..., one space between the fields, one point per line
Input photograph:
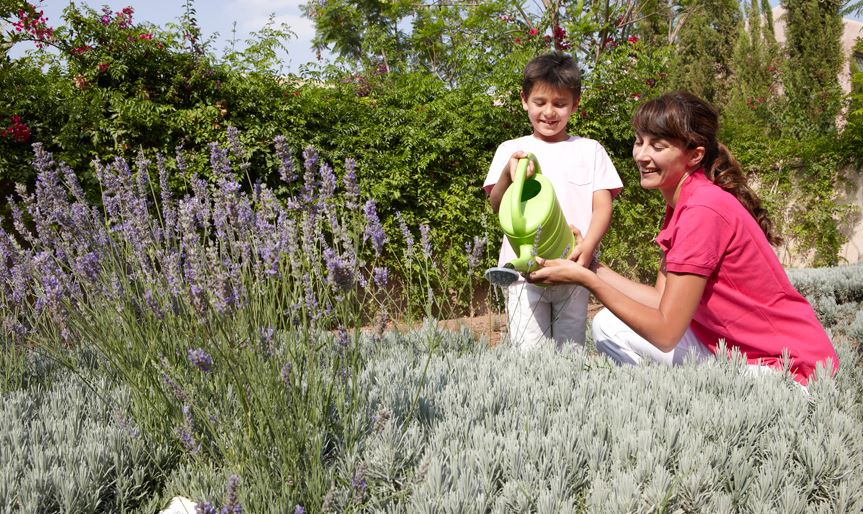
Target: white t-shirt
x=576 y=168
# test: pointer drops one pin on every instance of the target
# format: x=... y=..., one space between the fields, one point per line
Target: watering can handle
x=518 y=221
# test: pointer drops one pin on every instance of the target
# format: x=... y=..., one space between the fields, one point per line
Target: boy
x=585 y=182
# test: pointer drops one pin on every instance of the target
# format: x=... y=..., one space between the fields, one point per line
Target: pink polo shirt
x=749 y=300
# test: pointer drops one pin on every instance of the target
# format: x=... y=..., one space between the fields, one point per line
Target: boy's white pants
x=538 y=313
x=615 y=339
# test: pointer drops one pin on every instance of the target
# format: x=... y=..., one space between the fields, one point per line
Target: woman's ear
x=696 y=157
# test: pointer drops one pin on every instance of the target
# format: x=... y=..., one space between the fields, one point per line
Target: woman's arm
x=661 y=316
x=642 y=293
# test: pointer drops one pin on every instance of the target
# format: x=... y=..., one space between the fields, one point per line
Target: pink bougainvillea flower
x=103 y=67
x=147 y=36
x=533 y=31
x=632 y=39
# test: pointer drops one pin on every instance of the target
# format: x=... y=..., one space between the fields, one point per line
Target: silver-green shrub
x=499 y=431
x=836 y=294
x=70 y=447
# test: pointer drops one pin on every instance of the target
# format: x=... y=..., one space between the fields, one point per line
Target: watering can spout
x=523 y=263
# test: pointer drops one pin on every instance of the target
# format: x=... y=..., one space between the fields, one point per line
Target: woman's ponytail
x=725 y=172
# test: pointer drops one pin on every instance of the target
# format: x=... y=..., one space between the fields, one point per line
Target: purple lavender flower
x=352 y=189
x=169 y=213
x=358 y=484
x=286 y=374
x=310 y=158
x=72 y=183
x=425 y=241
x=266 y=334
x=343 y=340
x=341 y=272
x=180 y=159
x=309 y=178
x=205 y=508
x=299 y=509
x=406 y=235
x=381 y=276
x=185 y=432
x=536 y=240
x=200 y=359
x=87 y=266
x=474 y=252
x=328 y=183
x=219 y=161
x=373 y=229
x=142 y=181
x=286 y=165
x=52 y=281
x=232 y=502
x=234 y=143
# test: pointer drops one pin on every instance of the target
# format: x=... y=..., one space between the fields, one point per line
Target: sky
x=214 y=16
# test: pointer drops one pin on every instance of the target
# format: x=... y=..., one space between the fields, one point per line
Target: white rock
x=179 y=505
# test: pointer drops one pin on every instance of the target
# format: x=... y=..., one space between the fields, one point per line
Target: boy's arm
x=600 y=220
x=496 y=193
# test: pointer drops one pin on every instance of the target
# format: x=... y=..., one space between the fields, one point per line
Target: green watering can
x=533 y=222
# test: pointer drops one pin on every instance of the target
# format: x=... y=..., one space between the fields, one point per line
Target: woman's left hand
x=558 y=271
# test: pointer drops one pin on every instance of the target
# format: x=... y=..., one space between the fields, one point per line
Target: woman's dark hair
x=682 y=116
x=555 y=69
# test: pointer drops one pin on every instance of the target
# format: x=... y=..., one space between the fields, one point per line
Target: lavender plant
x=71 y=447
x=233 y=316
x=500 y=431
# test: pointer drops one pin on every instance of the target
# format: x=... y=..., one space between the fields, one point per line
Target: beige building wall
x=852 y=251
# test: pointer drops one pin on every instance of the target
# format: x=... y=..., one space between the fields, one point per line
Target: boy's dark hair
x=555 y=69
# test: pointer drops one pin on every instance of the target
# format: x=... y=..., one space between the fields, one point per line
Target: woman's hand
x=559 y=271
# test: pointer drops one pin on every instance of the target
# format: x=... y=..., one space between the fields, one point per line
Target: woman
x=719 y=278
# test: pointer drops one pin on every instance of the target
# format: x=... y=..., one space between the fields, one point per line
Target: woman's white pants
x=615 y=339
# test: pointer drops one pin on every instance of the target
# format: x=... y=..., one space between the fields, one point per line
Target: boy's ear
x=577 y=101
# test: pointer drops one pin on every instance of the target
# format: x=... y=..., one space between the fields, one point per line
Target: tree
x=813 y=35
x=704 y=46
x=756 y=60
x=470 y=41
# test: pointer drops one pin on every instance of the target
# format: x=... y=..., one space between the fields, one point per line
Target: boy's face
x=549 y=110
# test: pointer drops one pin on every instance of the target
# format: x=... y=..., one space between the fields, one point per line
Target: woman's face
x=664 y=163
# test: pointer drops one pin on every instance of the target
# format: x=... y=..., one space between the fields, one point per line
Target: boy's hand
x=581 y=253
x=513 y=165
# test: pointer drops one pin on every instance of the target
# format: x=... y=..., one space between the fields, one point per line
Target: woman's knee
x=601 y=325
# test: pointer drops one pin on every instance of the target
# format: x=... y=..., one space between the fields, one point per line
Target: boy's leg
x=568 y=314
x=615 y=339
x=529 y=313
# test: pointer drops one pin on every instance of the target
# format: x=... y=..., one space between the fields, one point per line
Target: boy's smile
x=549 y=109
